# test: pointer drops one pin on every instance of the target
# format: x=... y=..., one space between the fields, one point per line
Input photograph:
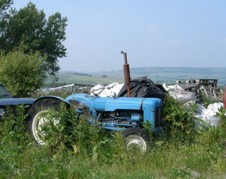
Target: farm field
x=69 y=78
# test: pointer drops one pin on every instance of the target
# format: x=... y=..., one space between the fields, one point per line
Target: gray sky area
x=163 y=33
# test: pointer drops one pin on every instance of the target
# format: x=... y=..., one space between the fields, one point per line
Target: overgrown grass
x=88 y=152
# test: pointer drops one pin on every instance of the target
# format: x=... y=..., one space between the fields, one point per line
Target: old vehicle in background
x=8 y=101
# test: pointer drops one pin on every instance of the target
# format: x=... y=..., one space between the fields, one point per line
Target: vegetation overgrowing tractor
x=125 y=114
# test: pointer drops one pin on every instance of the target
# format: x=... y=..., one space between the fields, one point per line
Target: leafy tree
x=21 y=73
x=4 y=5
x=30 y=28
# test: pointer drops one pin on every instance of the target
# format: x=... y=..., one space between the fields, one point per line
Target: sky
x=153 y=33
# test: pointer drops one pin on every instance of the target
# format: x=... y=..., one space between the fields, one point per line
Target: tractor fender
x=42 y=101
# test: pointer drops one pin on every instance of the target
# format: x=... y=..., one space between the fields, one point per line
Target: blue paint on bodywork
x=148 y=106
x=7 y=100
x=16 y=101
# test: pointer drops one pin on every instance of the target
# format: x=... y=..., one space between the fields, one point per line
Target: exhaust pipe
x=126 y=74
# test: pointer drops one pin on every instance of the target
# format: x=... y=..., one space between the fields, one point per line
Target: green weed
x=86 y=151
x=179 y=121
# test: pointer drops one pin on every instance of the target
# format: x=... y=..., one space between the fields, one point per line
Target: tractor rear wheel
x=42 y=125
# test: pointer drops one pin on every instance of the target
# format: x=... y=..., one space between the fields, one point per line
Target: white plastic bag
x=179 y=93
x=110 y=90
x=209 y=114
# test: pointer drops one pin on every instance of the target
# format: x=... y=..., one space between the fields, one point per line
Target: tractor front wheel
x=136 y=139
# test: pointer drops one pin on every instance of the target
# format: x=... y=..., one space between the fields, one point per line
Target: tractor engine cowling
x=119 y=113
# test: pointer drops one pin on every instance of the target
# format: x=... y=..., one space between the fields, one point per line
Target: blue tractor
x=124 y=114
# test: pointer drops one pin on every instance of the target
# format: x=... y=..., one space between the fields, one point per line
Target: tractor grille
x=158 y=117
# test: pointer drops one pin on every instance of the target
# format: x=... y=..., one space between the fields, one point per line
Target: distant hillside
x=171 y=74
x=159 y=75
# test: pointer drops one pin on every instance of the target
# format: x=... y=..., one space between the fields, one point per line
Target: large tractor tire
x=136 y=140
x=41 y=123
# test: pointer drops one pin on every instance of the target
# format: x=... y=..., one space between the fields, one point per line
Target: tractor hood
x=16 y=101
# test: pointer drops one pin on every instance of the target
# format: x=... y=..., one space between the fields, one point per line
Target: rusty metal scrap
x=202 y=88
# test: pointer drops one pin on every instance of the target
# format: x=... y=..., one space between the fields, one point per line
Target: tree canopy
x=4 y=5
x=29 y=27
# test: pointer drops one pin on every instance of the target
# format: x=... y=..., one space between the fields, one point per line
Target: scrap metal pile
x=202 y=88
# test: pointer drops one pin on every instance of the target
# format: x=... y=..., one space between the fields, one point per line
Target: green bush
x=21 y=73
x=179 y=121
